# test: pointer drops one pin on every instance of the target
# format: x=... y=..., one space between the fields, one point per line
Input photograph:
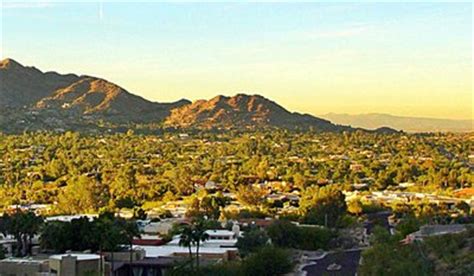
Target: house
x=23 y=267
x=263 y=223
x=224 y=237
x=7 y=244
x=75 y=264
x=154 y=266
x=219 y=246
x=161 y=227
x=356 y=167
x=148 y=240
x=406 y=184
x=183 y=136
x=434 y=230
x=360 y=186
x=464 y=193
x=211 y=185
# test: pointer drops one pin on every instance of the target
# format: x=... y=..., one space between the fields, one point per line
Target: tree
x=314 y=238
x=325 y=206
x=407 y=225
x=268 y=261
x=283 y=233
x=111 y=232
x=250 y=196
x=186 y=239
x=354 y=207
x=199 y=235
x=57 y=236
x=299 y=180
x=193 y=234
x=463 y=207
x=388 y=256
x=23 y=226
x=211 y=205
x=81 y=195
x=130 y=231
x=251 y=241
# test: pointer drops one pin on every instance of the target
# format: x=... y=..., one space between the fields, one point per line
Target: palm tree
x=131 y=231
x=186 y=239
x=194 y=234
x=199 y=235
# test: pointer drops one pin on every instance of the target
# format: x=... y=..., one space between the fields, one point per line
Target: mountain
x=408 y=124
x=242 y=111
x=72 y=95
x=24 y=86
x=33 y=100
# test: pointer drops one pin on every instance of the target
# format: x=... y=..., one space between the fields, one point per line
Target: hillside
x=408 y=124
x=72 y=96
x=35 y=100
x=242 y=111
x=24 y=86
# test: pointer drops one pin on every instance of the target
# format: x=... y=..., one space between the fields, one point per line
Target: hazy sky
x=405 y=59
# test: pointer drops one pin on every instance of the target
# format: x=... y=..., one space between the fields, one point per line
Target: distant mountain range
x=407 y=124
x=33 y=100
x=28 y=87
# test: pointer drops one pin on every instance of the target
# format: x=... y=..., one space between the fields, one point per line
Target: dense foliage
x=23 y=226
x=81 y=173
x=286 y=234
x=105 y=233
x=437 y=255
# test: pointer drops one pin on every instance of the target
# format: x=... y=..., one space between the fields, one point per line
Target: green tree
x=56 y=236
x=186 y=239
x=284 y=233
x=23 y=226
x=325 y=206
x=388 y=256
x=268 y=261
x=407 y=225
x=251 y=241
x=194 y=234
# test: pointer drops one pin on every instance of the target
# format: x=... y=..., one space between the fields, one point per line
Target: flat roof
x=170 y=250
x=22 y=260
x=219 y=232
x=69 y=218
x=208 y=242
x=80 y=257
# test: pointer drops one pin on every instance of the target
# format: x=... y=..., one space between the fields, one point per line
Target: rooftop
x=71 y=217
x=22 y=261
x=80 y=257
x=170 y=250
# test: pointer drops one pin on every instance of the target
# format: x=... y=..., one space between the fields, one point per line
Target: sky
x=412 y=59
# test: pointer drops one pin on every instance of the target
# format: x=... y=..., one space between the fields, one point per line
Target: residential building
x=75 y=264
x=23 y=267
x=435 y=230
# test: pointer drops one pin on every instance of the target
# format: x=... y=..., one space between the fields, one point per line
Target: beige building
x=23 y=267
x=75 y=264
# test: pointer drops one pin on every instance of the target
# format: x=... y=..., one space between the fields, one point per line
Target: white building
x=220 y=245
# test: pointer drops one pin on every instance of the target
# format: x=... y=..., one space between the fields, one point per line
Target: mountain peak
x=241 y=111
x=9 y=63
